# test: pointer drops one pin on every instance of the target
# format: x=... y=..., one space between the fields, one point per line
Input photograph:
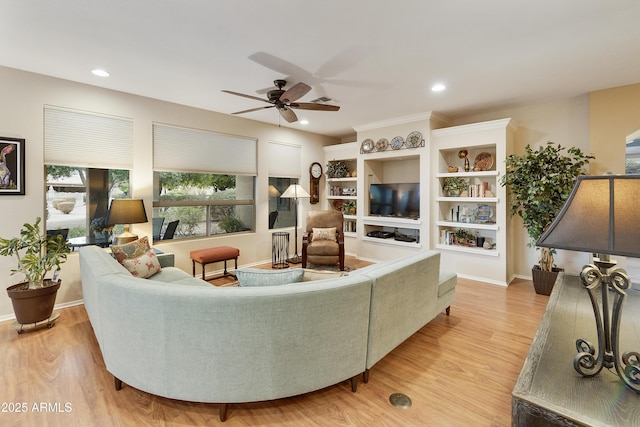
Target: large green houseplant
x=37 y=254
x=539 y=183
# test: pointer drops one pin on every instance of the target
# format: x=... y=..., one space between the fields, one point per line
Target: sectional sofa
x=179 y=337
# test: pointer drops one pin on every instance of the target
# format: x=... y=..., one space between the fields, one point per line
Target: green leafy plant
x=465 y=237
x=349 y=207
x=37 y=253
x=539 y=183
x=230 y=224
x=455 y=185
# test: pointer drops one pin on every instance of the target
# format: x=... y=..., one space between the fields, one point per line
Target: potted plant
x=349 y=207
x=540 y=182
x=37 y=255
x=455 y=185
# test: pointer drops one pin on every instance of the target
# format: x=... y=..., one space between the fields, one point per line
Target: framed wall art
x=11 y=166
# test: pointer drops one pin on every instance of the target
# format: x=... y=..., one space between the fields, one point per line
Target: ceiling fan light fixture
x=100 y=72
x=438 y=87
x=304 y=122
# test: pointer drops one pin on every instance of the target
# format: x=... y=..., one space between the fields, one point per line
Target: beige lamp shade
x=295 y=191
x=126 y=212
x=602 y=216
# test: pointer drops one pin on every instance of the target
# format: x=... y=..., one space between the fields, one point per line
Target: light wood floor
x=458 y=370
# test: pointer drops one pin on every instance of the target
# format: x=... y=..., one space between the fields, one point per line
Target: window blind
x=284 y=160
x=80 y=138
x=177 y=149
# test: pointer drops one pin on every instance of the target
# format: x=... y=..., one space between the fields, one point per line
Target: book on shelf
x=479 y=190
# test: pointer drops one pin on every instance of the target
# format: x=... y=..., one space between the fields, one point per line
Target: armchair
x=323 y=248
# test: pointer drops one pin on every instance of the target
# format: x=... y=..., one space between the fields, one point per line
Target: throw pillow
x=258 y=277
x=323 y=233
x=310 y=274
x=130 y=250
x=144 y=266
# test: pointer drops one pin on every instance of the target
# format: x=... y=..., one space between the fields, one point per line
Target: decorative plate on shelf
x=414 y=139
x=396 y=142
x=382 y=144
x=484 y=213
x=367 y=145
x=483 y=162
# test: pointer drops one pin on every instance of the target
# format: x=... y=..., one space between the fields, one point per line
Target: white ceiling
x=375 y=59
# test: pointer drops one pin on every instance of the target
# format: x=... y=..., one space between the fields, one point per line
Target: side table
x=549 y=392
x=280 y=249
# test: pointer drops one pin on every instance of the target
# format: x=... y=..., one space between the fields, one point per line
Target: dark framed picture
x=11 y=166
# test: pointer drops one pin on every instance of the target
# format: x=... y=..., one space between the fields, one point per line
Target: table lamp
x=295 y=191
x=602 y=216
x=126 y=212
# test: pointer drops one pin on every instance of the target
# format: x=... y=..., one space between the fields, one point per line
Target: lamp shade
x=126 y=211
x=602 y=215
x=273 y=191
x=295 y=191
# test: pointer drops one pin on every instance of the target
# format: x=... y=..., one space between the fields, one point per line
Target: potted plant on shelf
x=455 y=185
x=540 y=182
x=37 y=255
x=349 y=207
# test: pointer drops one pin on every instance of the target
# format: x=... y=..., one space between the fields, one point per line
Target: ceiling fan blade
x=253 y=109
x=246 y=96
x=314 y=106
x=296 y=92
x=288 y=115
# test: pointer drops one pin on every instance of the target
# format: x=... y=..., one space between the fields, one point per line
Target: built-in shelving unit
x=470 y=229
x=342 y=192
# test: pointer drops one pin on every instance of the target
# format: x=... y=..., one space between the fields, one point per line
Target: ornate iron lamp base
x=587 y=362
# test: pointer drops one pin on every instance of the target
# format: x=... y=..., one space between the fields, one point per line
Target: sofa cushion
x=258 y=277
x=173 y=274
x=447 y=282
x=130 y=250
x=323 y=234
x=144 y=266
x=323 y=248
x=310 y=275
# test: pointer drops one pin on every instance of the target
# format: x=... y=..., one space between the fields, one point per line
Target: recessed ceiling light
x=304 y=122
x=438 y=87
x=100 y=73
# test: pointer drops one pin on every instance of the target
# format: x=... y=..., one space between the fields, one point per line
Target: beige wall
x=21 y=112
x=615 y=113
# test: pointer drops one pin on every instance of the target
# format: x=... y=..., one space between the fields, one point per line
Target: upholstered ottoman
x=211 y=255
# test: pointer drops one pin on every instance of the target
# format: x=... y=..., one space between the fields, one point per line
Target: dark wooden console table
x=549 y=392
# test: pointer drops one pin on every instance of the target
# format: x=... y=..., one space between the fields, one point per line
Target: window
x=203 y=179
x=204 y=204
x=88 y=157
x=281 y=211
x=632 y=159
x=78 y=199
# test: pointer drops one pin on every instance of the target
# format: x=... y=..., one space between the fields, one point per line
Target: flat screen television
x=397 y=200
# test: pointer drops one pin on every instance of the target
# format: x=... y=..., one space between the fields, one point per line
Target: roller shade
x=177 y=149
x=80 y=138
x=284 y=160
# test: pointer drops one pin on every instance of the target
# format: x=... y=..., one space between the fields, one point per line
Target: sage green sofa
x=179 y=337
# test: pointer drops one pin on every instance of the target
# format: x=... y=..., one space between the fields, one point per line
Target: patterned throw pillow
x=259 y=277
x=143 y=266
x=323 y=233
x=130 y=250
